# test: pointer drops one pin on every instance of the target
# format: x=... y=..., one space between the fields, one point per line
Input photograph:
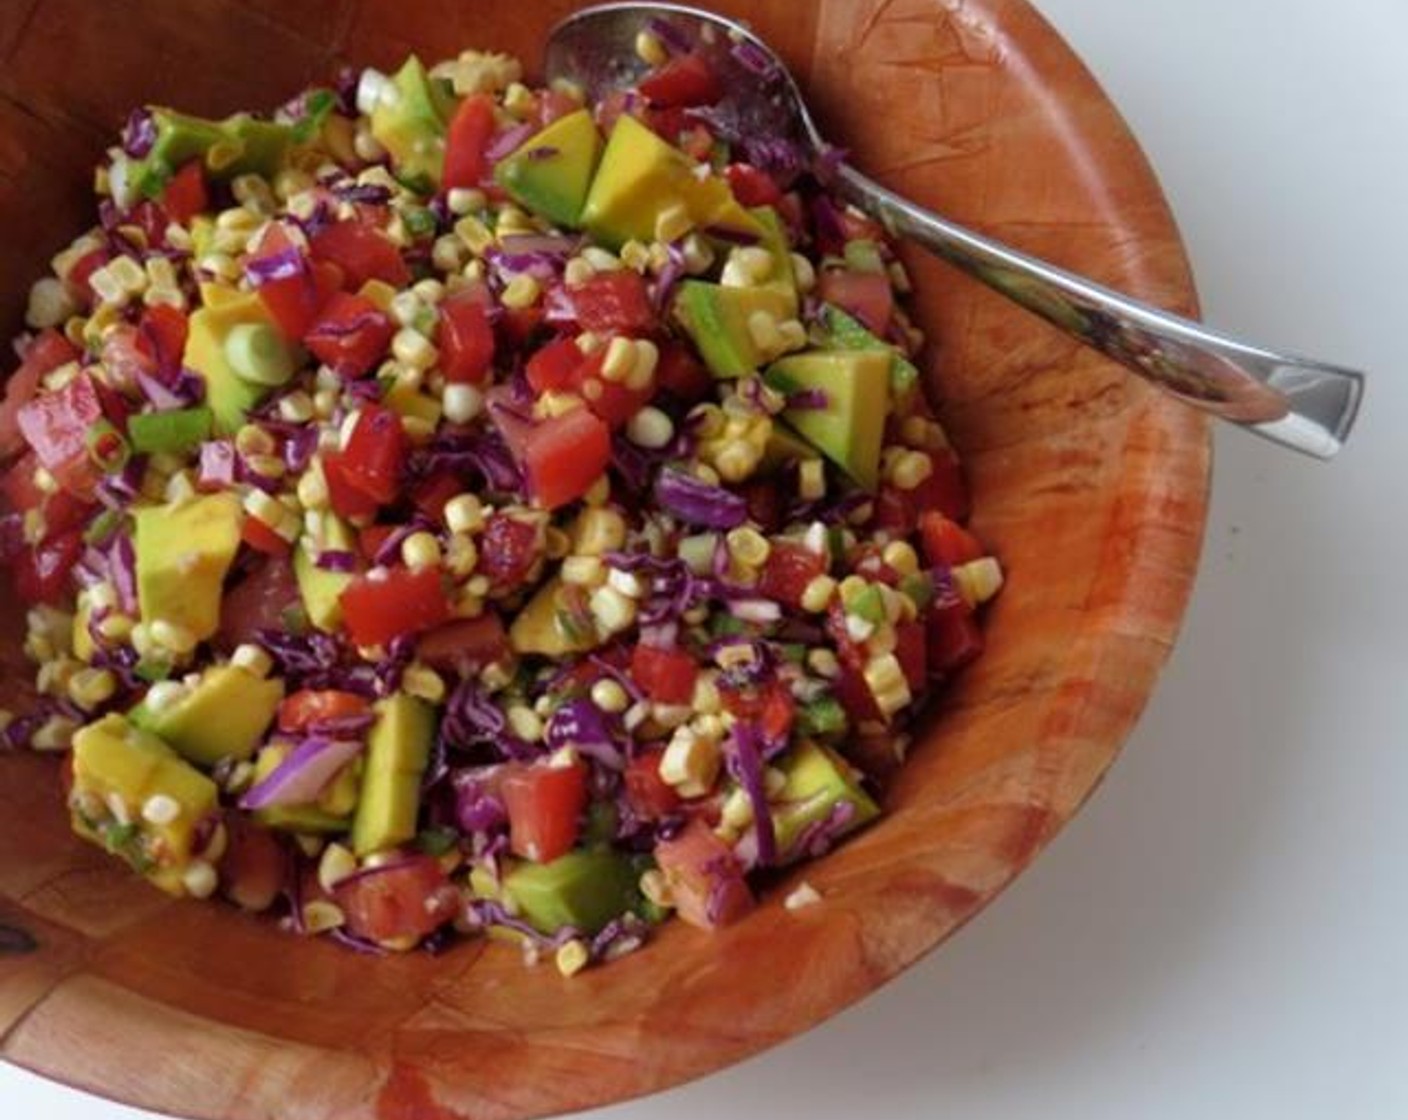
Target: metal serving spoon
x=1306 y=405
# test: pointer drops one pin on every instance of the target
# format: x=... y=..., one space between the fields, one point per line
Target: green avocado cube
x=551 y=172
x=184 y=550
x=412 y=124
x=229 y=396
x=818 y=780
x=543 y=627
x=583 y=889
x=398 y=751
x=850 y=428
x=716 y=318
x=846 y=333
x=236 y=146
x=224 y=715
x=782 y=278
x=320 y=589
x=119 y=766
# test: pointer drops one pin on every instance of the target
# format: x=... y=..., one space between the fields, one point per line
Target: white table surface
x=1222 y=932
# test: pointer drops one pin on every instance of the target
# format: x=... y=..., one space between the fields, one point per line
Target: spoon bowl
x=1307 y=405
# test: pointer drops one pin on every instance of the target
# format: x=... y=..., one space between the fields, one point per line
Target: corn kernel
x=336 y=864
x=520 y=292
x=464 y=513
x=645 y=359
x=763 y=330
x=200 y=879
x=978 y=580
x=627 y=583
x=803 y=896
x=818 y=593
x=603 y=260
x=609 y=696
x=525 y=723
x=475 y=234
x=320 y=915
x=650 y=50
x=597 y=530
x=901 y=556
x=587 y=571
x=886 y=681
x=824 y=663
x=673 y=222
x=420 y=551
x=577 y=272
x=910 y=469
x=88 y=688
x=171 y=636
x=803 y=273
x=465 y=200
x=423 y=682
x=612 y=611
x=253 y=659
x=656 y=888
x=736 y=461
x=620 y=359
x=650 y=428
x=49 y=304
x=572 y=956
x=413 y=349
x=748 y=546
x=737 y=811
x=690 y=763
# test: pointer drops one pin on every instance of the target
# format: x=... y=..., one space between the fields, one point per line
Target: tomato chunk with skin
x=508 y=549
x=399 y=903
x=545 y=805
x=945 y=541
x=42 y=572
x=344 y=495
x=400 y=603
x=375 y=453
x=57 y=427
x=614 y=302
x=751 y=186
x=562 y=456
x=300 y=288
x=262 y=600
x=554 y=367
x=649 y=796
x=465 y=338
x=363 y=253
x=683 y=375
x=866 y=295
x=262 y=538
x=351 y=335
x=468 y=137
x=185 y=195
x=953 y=635
x=683 y=82
x=667 y=676
x=704 y=877
x=311 y=706
x=46 y=353
x=464 y=645
x=789 y=568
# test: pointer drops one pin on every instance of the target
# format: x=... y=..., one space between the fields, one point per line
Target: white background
x=1223 y=932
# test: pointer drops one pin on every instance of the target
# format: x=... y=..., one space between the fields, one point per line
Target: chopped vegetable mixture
x=447 y=507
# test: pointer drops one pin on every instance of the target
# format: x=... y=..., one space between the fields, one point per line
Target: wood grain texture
x=1091 y=488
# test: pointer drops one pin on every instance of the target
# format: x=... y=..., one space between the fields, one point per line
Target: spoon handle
x=1305 y=405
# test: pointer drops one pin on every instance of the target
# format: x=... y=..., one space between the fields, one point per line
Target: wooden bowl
x=1091 y=488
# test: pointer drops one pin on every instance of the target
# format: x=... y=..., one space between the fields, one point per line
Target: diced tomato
x=751 y=186
x=376 y=453
x=56 y=426
x=293 y=301
x=855 y=696
x=79 y=275
x=151 y=218
x=262 y=538
x=402 y=602
x=42 y=572
x=788 y=569
x=679 y=372
x=770 y=708
x=683 y=82
x=667 y=676
x=362 y=252
x=372 y=538
x=875 y=756
x=612 y=401
x=260 y=601
x=162 y=336
x=254 y=868
x=310 y=706
x=545 y=805
x=430 y=494
x=554 y=367
x=564 y=455
x=18 y=486
x=945 y=541
x=47 y=352
x=344 y=495
x=508 y=549
x=351 y=335
x=866 y=295
x=649 y=795
x=614 y=302
x=912 y=654
x=464 y=645
x=465 y=338
x=895 y=511
x=704 y=877
x=185 y=195
x=399 y=903
x=553 y=104
x=954 y=637
x=468 y=136
x=518 y=324
x=945 y=489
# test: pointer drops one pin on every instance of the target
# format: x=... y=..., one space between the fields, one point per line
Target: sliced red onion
x=508 y=142
x=217 y=465
x=660 y=635
x=336 y=560
x=283 y=265
x=302 y=776
x=122 y=567
x=744 y=760
x=139 y=133
x=161 y=397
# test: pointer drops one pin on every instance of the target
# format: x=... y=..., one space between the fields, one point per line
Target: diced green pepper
x=172 y=431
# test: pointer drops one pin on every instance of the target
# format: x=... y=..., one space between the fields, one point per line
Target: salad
x=446 y=507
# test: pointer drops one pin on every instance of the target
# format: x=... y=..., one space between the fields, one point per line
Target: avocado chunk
x=411 y=125
x=716 y=318
x=229 y=395
x=184 y=550
x=320 y=589
x=583 y=889
x=331 y=813
x=784 y=447
x=781 y=279
x=117 y=766
x=398 y=751
x=850 y=429
x=818 y=781
x=237 y=145
x=544 y=626
x=552 y=171
x=224 y=715
x=846 y=333
x=641 y=177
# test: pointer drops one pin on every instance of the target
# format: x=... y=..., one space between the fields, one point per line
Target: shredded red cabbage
x=139 y=133
x=471 y=719
x=217 y=465
x=582 y=725
x=699 y=503
x=336 y=560
x=476 y=809
x=283 y=265
x=508 y=141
